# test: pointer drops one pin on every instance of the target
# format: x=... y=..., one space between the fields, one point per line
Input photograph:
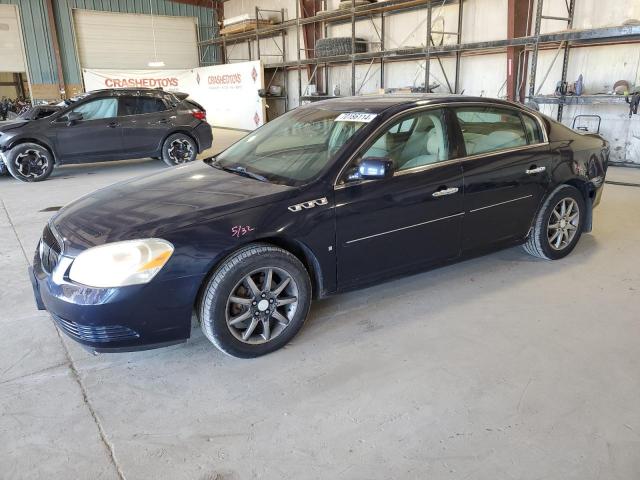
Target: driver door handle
x=533 y=170
x=113 y=125
x=446 y=191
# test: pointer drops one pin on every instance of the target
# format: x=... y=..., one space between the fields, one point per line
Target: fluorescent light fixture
x=155 y=63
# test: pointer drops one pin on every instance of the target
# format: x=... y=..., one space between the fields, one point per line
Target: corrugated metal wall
x=39 y=50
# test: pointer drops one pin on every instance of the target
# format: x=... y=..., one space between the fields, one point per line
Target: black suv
x=106 y=125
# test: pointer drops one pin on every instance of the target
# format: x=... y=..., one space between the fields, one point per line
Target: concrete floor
x=502 y=367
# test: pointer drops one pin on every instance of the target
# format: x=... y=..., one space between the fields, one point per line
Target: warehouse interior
x=499 y=366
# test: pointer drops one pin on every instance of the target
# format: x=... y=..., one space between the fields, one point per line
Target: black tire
x=29 y=162
x=215 y=309
x=179 y=148
x=543 y=241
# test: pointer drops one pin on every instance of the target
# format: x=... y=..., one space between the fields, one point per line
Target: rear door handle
x=534 y=170
x=113 y=125
x=446 y=191
x=164 y=120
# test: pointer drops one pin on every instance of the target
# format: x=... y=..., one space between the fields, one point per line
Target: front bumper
x=137 y=317
x=3 y=164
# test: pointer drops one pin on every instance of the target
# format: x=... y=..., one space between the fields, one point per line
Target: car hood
x=155 y=205
x=5 y=127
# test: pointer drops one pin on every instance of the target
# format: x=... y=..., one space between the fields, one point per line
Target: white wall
x=480 y=74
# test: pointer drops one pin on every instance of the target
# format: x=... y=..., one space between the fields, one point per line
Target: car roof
x=382 y=102
x=128 y=91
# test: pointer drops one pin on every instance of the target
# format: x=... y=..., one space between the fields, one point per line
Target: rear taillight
x=199 y=114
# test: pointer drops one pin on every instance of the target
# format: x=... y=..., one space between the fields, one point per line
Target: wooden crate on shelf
x=245 y=26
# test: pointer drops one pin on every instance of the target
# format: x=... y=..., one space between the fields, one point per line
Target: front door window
x=416 y=140
x=98 y=109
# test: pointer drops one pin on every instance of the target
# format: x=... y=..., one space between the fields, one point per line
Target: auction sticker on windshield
x=355 y=117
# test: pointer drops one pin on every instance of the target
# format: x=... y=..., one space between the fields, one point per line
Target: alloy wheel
x=180 y=151
x=563 y=223
x=262 y=305
x=31 y=163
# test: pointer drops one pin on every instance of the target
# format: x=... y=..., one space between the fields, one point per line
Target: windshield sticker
x=355 y=117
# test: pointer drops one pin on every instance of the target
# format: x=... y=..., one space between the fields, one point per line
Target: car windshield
x=293 y=148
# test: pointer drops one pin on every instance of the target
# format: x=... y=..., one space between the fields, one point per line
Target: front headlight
x=121 y=263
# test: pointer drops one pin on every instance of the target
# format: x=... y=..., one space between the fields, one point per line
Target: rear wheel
x=256 y=301
x=559 y=224
x=178 y=149
x=29 y=162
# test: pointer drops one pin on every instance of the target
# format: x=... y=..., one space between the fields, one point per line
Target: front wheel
x=559 y=224
x=29 y=162
x=178 y=149
x=256 y=301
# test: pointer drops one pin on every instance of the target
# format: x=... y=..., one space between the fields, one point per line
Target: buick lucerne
x=329 y=197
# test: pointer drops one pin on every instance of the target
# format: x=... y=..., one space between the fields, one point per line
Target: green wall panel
x=37 y=37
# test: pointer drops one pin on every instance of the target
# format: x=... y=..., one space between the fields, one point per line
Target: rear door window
x=490 y=129
x=131 y=105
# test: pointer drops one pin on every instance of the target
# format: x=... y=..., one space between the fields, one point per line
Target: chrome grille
x=50 y=250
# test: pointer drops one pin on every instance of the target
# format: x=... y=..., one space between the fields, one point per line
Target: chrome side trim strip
x=501 y=152
x=429 y=166
x=501 y=203
x=403 y=228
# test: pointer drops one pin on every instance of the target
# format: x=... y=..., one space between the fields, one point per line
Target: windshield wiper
x=240 y=170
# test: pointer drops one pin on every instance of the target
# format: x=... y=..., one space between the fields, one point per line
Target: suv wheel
x=29 y=162
x=256 y=301
x=178 y=149
x=559 y=224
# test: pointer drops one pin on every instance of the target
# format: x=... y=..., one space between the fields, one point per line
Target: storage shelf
x=580 y=100
x=601 y=36
x=426 y=52
x=333 y=16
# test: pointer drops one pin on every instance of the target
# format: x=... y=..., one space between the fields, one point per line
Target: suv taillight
x=199 y=114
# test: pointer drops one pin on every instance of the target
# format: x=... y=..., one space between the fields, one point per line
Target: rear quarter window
x=532 y=127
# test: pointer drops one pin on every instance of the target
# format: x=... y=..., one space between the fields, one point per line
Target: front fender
x=27 y=138
x=308 y=233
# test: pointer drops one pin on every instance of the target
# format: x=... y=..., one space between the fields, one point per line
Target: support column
x=218 y=8
x=310 y=33
x=56 y=48
x=517 y=14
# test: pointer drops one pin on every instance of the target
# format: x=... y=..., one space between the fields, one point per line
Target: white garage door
x=11 y=47
x=125 y=41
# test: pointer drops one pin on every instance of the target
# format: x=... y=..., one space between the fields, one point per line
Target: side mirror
x=73 y=118
x=375 y=168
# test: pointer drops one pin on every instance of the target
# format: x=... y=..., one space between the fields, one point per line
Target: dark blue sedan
x=328 y=197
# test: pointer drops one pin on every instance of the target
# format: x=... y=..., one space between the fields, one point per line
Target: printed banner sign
x=172 y=80
x=228 y=92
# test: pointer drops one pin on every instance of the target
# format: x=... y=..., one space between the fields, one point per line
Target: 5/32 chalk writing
x=241 y=230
